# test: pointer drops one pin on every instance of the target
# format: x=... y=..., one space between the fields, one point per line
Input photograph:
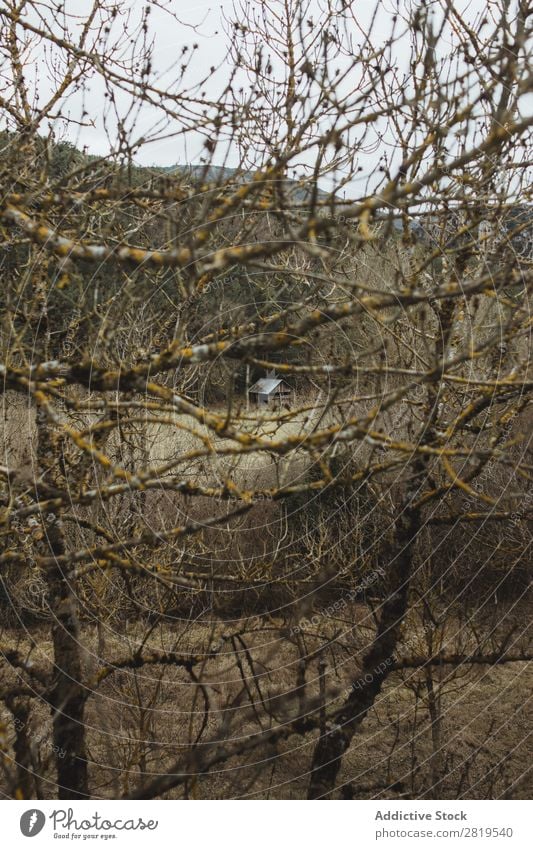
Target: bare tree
x=358 y=223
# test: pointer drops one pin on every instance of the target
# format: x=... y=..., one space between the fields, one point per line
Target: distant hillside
x=220 y=174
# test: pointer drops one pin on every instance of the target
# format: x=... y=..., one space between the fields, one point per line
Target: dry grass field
x=140 y=722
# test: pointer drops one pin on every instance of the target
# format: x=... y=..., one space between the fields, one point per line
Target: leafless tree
x=359 y=221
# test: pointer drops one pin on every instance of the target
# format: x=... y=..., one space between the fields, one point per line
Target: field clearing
x=179 y=442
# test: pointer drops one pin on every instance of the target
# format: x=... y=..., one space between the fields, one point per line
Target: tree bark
x=21 y=747
x=377 y=665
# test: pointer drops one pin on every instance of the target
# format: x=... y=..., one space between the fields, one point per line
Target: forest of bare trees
x=321 y=597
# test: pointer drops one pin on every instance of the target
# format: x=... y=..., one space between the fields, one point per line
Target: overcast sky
x=200 y=22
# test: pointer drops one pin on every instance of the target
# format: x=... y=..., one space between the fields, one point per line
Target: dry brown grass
x=142 y=722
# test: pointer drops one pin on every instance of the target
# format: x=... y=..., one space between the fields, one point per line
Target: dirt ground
x=142 y=721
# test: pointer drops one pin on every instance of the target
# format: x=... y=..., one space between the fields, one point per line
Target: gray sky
x=201 y=22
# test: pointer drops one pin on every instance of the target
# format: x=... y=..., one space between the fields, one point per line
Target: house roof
x=266 y=385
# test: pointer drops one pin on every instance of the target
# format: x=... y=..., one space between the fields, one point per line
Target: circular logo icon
x=32 y=822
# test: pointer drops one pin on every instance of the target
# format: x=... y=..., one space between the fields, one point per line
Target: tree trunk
x=22 y=748
x=436 y=722
x=68 y=695
x=377 y=663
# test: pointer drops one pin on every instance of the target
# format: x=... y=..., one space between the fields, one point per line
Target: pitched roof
x=266 y=385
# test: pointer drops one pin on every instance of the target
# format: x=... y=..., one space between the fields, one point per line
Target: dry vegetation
x=323 y=599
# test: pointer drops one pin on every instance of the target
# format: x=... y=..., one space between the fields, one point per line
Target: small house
x=270 y=391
